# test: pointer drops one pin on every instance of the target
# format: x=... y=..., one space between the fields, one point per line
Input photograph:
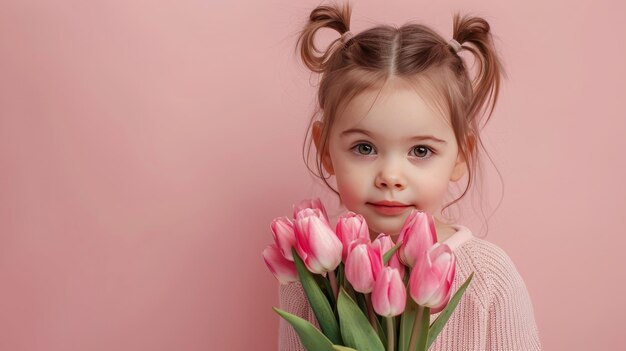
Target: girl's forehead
x=396 y=109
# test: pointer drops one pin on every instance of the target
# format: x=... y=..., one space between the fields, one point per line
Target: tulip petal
x=283 y=269
x=443 y=265
x=324 y=245
x=316 y=243
x=358 y=269
x=432 y=277
x=397 y=294
x=389 y=293
x=314 y=204
x=417 y=236
x=350 y=227
x=284 y=236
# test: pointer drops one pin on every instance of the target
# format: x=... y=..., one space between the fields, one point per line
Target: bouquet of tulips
x=366 y=295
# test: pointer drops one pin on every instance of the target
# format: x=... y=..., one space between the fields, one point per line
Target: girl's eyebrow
x=417 y=137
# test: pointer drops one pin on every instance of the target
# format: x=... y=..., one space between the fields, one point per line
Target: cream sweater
x=494 y=313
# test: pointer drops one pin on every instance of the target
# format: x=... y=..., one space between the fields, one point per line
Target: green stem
x=416 y=327
x=360 y=298
x=370 y=310
x=341 y=275
x=328 y=291
x=333 y=283
x=390 y=334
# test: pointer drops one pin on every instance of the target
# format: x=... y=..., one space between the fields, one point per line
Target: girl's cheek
x=349 y=189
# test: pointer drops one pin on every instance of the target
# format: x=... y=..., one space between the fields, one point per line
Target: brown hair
x=413 y=52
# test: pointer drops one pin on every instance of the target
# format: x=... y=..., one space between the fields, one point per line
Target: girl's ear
x=461 y=163
x=326 y=161
x=459 y=168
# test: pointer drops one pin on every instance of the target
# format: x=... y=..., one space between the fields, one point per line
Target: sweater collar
x=463 y=234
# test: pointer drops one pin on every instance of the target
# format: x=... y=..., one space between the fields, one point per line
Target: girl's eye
x=419 y=151
x=422 y=151
x=363 y=149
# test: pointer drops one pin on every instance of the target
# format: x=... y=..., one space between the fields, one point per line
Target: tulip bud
x=312 y=204
x=316 y=242
x=384 y=242
x=389 y=293
x=351 y=226
x=431 y=279
x=283 y=269
x=284 y=236
x=363 y=265
x=417 y=235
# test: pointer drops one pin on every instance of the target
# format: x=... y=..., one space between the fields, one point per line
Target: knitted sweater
x=494 y=313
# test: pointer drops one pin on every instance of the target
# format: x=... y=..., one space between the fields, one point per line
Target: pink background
x=145 y=147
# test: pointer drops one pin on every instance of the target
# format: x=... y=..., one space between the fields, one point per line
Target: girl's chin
x=391 y=232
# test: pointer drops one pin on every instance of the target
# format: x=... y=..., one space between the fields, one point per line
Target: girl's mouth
x=389 y=210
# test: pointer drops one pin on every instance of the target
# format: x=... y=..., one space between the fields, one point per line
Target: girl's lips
x=389 y=210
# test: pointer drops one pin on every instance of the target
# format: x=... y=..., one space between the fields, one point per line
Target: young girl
x=400 y=117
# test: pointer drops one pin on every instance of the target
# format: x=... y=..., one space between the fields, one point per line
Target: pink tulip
x=363 y=265
x=310 y=203
x=316 y=242
x=417 y=235
x=351 y=226
x=385 y=243
x=389 y=293
x=431 y=279
x=356 y=242
x=284 y=236
x=283 y=269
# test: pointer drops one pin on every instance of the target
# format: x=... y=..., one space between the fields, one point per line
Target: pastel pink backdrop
x=145 y=147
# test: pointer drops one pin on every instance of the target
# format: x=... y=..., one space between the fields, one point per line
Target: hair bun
x=324 y=16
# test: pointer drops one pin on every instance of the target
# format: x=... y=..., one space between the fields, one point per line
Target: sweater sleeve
x=512 y=324
x=292 y=299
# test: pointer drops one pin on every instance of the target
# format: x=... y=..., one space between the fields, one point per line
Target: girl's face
x=384 y=154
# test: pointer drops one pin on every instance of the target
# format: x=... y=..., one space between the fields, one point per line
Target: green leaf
x=354 y=295
x=356 y=330
x=442 y=319
x=311 y=338
x=343 y=348
x=318 y=301
x=388 y=254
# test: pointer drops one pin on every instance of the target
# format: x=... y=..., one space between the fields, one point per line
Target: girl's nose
x=390 y=179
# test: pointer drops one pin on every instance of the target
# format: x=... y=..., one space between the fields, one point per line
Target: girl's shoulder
x=483 y=254
x=496 y=269
x=500 y=289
